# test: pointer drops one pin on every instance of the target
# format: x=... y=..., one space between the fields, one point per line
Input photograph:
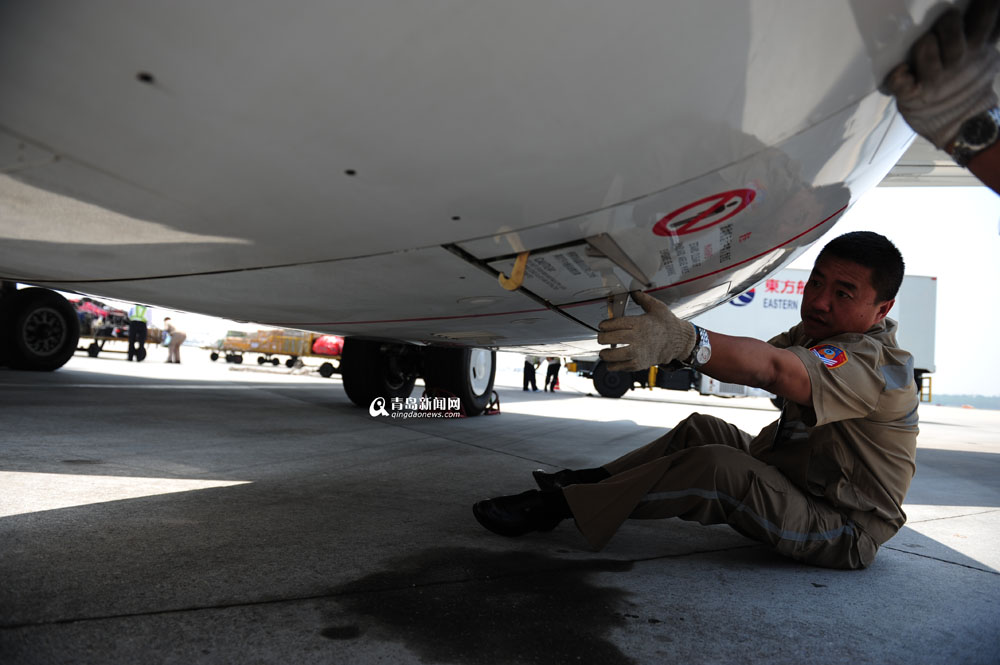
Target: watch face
x=978 y=131
x=703 y=355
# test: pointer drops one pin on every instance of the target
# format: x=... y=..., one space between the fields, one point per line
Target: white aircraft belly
x=321 y=142
x=433 y=297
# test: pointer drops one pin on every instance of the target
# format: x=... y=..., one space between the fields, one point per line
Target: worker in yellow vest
x=138 y=321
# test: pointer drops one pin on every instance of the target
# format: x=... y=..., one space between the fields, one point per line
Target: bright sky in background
x=952 y=233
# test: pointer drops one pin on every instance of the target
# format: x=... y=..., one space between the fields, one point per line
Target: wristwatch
x=702 y=351
x=975 y=135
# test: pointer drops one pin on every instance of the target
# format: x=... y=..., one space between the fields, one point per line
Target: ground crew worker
x=945 y=88
x=823 y=484
x=531 y=363
x=176 y=339
x=138 y=320
x=552 y=373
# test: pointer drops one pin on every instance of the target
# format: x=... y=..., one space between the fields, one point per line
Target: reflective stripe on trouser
x=702 y=470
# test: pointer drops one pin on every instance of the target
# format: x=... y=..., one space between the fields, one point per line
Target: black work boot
x=518 y=514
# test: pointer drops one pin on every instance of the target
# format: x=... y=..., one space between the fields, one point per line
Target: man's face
x=839 y=298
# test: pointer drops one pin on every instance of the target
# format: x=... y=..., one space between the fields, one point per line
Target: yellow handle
x=513 y=282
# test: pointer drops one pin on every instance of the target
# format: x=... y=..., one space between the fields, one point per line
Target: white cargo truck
x=770 y=308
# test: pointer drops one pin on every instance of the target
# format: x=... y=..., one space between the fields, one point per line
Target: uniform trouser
x=552 y=376
x=137 y=331
x=174 y=347
x=529 y=376
x=703 y=470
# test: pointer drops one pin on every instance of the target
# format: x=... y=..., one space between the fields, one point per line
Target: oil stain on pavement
x=463 y=605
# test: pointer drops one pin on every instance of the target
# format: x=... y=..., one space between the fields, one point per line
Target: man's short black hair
x=874 y=251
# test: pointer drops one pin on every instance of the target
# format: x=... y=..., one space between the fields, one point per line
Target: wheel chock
x=493 y=406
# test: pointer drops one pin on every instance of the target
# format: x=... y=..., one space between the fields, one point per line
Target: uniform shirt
x=855 y=445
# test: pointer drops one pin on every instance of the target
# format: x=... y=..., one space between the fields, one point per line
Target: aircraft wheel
x=93 y=350
x=376 y=369
x=7 y=297
x=290 y=363
x=238 y=360
x=260 y=360
x=41 y=330
x=275 y=361
x=611 y=384
x=326 y=370
x=466 y=373
x=213 y=356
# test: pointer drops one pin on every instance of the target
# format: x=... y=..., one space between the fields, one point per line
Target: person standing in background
x=176 y=339
x=552 y=373
x=530 y=363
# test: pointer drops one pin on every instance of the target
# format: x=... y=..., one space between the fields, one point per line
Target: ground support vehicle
x=270 y=344
x=101 y=339
x=105 y=325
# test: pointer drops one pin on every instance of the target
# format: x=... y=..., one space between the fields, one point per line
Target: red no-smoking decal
x=704 y=213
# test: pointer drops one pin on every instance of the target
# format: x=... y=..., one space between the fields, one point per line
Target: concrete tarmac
x=213 y=513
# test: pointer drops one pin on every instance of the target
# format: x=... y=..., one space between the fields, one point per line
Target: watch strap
x=700 y=341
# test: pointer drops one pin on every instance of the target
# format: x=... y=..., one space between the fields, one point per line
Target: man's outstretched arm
x=659 y=337
x=755 y=363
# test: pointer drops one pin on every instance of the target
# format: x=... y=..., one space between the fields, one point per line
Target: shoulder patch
x=832 y=356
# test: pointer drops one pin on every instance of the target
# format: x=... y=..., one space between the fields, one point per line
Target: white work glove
x=949 y=77
x=652 y=338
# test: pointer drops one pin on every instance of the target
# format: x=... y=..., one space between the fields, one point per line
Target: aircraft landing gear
x=39 y=329
x=373 y=369
x=466 y=373
x=611 y=384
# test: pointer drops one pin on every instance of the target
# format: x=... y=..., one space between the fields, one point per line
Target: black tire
x=290 y=363
x=374 y=369
x=213 y=356
x=7 y=299
x=326 y=370
x=41 y=330
x=464 y=372
x=238 y=360
x=611 y=384
x=260 y=360
x=93 y=350
x=275 y=361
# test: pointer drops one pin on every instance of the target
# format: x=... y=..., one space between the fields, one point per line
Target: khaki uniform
x=823 y=484
x=174 y=346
